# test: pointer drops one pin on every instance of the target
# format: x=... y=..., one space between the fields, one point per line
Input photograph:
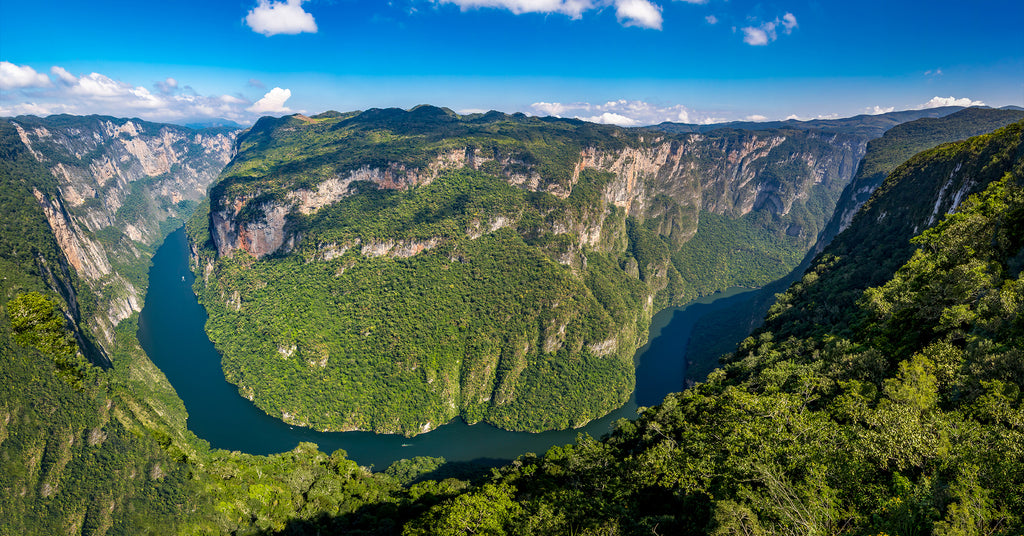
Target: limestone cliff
x=485 y=266
x=121 y=184
x=670 y=179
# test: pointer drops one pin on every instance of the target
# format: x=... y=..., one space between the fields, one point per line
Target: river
x=171 y=331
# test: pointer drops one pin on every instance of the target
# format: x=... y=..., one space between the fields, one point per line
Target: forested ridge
x=391 y=270
x=882 y=396
x=722 y=330
x=894 y=408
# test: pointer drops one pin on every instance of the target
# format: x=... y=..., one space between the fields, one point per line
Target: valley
x=496 y=268
x=888 y=375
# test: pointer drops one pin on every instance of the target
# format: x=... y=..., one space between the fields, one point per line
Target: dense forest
x=898 y=144
x=881 y=396
x=390 y=270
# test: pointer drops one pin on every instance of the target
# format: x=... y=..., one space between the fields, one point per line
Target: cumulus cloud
x=63 y=75
x=96 y=93
x=711 y=19
x=766 y=32
x=272 y=18
x=272 y=102
x=875 y=110
x=16 y=77
x=936 y=72
x=756 y=117
x=167 y=86
x=788 y=22
x=639 y=13
x=623 y=112
x=759 y=36
x=937 y=102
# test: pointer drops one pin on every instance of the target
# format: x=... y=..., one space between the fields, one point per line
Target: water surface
x=171 y=331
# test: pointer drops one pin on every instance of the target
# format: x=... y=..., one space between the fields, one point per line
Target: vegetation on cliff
x=724 y=329
x=401 y=268
x=897 y=412
x=488 y=328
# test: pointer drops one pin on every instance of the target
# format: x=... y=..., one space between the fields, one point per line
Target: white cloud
x=556 y=109
x=272 y=102
x=621 y=112
x=640 y=13
x=711 y=19
x=936 y=72
x=32 y=108
x=792 y=117
x=937 y=102
x=229 y=99
x=288 y=17
x=167 y=86
x=788 y=21
x=756 y=36
x=756 y=117
x=98 y=85
x=572 y=8
x=63 y=75
x=95 y=93
x=15 y=77
x=875 y=110
x=766 y=32
x=610 y=118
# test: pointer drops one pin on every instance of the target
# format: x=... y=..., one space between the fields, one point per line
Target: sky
x=627 y=62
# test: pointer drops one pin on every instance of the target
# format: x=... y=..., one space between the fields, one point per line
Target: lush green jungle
x=493 y=267
x=882 y=156
x=881 y=396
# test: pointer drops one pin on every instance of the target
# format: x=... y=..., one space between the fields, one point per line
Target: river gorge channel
x=171 y=332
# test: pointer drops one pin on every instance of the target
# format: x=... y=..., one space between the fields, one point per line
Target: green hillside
x=390 y=270
x=723 y=330
x=899 y=413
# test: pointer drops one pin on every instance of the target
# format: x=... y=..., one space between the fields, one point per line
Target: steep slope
x=897 y=145
x=400 y=268
x=726 y=329
x=104 y=450
x=76 y=441
x=899 y=413
x=120 y=185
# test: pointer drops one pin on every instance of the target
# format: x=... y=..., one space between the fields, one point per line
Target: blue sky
x=622 y=61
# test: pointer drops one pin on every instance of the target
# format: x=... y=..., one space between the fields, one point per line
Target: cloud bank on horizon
x=23 y=90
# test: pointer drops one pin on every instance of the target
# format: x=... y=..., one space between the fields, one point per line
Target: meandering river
x=171 y=332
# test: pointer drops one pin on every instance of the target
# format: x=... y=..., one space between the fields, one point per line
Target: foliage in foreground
x=908 y=420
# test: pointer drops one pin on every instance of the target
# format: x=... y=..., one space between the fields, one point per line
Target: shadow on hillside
x=381 y=518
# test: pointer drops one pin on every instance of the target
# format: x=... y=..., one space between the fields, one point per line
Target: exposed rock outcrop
x=118 y=181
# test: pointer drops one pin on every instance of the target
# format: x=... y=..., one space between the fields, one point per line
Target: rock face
x=120 y=184
x=670 y=178
x=486 y=266
x=900 y=143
